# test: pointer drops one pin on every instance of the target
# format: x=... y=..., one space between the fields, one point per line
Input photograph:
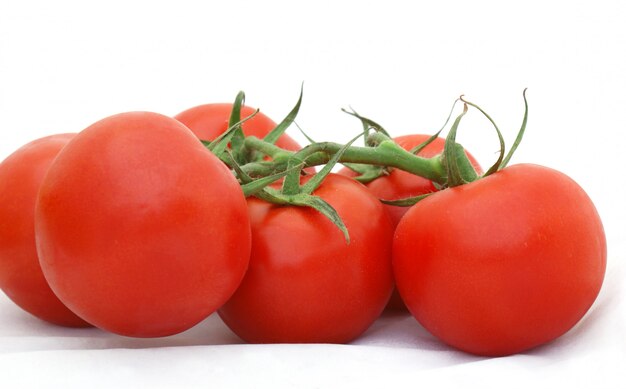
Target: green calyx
x=459 y=169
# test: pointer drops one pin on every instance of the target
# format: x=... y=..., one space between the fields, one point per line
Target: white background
x=65 y=65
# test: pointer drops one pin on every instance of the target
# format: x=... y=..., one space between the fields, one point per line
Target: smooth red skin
x=208 y=121
x=140 y=230
x=503 y=264
x=304 y=283
x=399 y=184
x=21 y=277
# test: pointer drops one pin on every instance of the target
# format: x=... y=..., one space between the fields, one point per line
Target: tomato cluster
x=136 y=226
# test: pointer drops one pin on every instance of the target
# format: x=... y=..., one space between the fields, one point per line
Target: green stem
x=269 y=149
x=264 y=168
x=387 y=153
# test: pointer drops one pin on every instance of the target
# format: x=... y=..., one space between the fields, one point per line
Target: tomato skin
x=140 y=230
x=21 y=277
x=399 y=184
x=503 y=264
x=208 y=121
x=304 y=283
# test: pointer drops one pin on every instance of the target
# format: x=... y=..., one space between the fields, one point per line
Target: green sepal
x=368 y=124
x=280 y=129
x=273 y=196
x=406 y=202
x=220 y=144
x=242 y=176
x=310 y=139
x=520 y=135
x=416 y=150
x=458 y=167
x=237 y=138
x=496 y=166
x=320 y=205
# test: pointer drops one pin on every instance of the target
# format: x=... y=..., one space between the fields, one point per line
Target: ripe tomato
x=305 y=283
x=503 y=264
x=399 y=184
x=21 y=277
x=140 y=230
x=208 y=121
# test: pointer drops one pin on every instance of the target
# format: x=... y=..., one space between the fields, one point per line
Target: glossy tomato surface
x=399 y=184
x=503 y=264
x=305 y=284
x=140 y=230
x=208 y=121
x=21 y=277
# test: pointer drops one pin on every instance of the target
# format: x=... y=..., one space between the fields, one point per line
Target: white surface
x=64 y=65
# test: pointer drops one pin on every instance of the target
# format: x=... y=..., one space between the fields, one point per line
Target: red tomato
x=305 y=284
x=399 y=184
x=140 y=230
x=503 y=264
x=208 y=121
x=21 y=277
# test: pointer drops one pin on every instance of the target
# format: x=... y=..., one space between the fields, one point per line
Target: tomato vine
x=257 y=163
